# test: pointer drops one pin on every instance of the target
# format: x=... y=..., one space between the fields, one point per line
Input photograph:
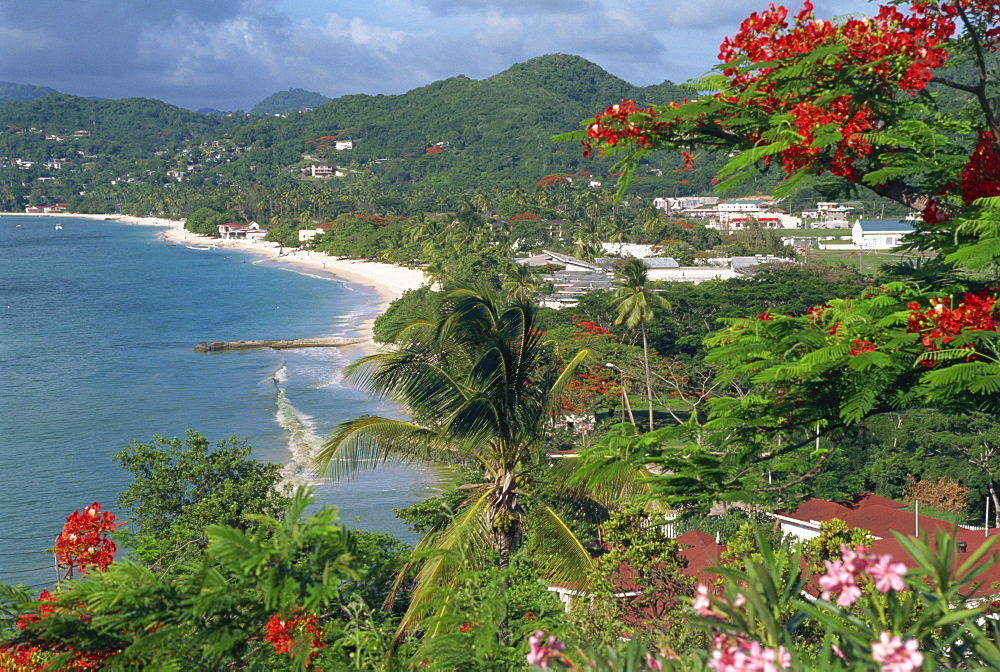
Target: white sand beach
x=388 y=280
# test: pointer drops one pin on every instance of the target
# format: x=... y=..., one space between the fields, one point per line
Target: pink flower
x=702 y=604
x=887 y=574
x=855 y=560
x=542 y=655
x=839 y=579
x=653 y=664
x=896 y=656
x=743 y=656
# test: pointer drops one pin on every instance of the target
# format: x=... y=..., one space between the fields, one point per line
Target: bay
x=98 y=321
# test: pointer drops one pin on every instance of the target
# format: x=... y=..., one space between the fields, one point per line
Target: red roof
x=881 y=521
x=818 y=509
x=867 y=498
x=695 y=538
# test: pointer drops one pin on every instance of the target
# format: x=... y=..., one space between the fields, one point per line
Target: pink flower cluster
x=895 y=655
x=739 y=655
x=702 y=603
x=543 y=655
x=842 y=575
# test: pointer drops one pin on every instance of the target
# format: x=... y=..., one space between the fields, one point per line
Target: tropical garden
x=755 y=393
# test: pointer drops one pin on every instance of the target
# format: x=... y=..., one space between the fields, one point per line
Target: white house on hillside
x=879 y=234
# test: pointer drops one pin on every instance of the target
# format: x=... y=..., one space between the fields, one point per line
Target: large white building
x=879 y=234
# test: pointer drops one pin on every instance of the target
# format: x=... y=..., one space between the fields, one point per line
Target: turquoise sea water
x=98 y=322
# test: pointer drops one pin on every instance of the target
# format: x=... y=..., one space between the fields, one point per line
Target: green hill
x=453 y=134
x=491 y=131
x=137 y=126
x=22 y=92
x=292 y=100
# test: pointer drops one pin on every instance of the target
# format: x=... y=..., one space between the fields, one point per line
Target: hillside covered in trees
x=456 y=133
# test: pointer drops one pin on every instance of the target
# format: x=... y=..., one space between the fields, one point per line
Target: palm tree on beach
x=481 y=389
x=637 y=305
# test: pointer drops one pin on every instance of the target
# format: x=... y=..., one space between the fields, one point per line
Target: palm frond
x=442 y=557
x=569 y=560
x=368 y=441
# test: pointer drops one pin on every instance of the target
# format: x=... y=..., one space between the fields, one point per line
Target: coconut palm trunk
x=636 y=304
x=649 y=378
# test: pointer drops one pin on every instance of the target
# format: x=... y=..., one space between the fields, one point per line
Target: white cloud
x=501 y=33
x=363 y=34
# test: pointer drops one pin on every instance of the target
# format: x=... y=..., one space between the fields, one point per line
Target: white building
x=879 y=234
x=830 y=215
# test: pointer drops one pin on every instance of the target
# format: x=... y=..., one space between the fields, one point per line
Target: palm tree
x=436 y=272
x=637 y=305
x=518 y=282
x=481 y=389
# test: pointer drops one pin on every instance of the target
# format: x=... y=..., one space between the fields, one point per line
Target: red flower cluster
x=765 y=317
x=587 y=388
x=83 y=543
x=981 y=177
x=552 y=181
x=888 y=53
x=374 y=219
x=860 y=346
x=984 y=15
x=25 y=658
x=940 y=323
x=287 y=635
x=623 y=122
x=591 y=328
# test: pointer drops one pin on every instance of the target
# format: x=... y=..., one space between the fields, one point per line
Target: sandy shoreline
x=387 y=280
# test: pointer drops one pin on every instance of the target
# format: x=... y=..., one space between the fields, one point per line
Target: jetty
x=218 y=346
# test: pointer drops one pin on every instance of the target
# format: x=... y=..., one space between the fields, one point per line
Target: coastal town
x=538 y=369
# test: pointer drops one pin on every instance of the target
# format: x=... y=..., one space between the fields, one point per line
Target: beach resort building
x=250 y=232
x=309 y=234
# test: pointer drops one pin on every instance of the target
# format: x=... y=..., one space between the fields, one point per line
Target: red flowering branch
x=33 y=658
x=290 y=634
x=940 y=324
x=83 y=543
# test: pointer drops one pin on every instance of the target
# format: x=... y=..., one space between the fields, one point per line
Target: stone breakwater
x=218 y=346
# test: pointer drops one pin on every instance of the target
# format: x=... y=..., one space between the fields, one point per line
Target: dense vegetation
x=285 y=102
x=794 y=382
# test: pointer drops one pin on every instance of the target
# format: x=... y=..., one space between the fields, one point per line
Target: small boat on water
x=200 y=247
x=58 y=227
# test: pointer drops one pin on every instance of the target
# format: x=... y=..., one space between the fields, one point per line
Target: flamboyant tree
x=856 y=100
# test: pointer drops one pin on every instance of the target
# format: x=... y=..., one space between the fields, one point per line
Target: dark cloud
x=230 y=55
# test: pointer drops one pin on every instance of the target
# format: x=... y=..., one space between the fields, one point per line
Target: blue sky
x=230 y=54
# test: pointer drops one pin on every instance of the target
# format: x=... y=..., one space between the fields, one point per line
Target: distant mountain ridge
x=455 y=133
x=489 y=130
x=286 y=102
x=10 y=91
